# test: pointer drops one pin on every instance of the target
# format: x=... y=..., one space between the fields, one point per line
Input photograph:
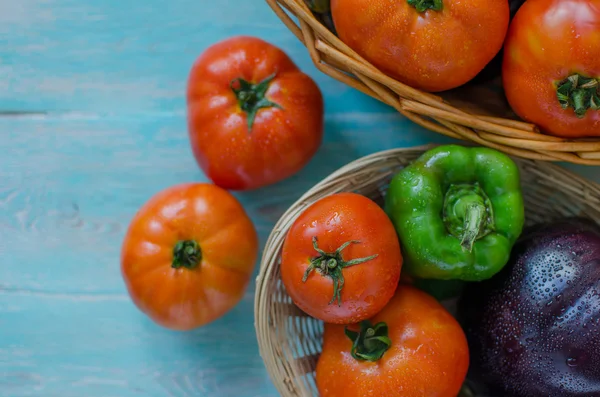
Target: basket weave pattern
x=453 y=115
x=290 y=341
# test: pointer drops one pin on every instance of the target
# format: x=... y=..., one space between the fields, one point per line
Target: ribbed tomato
x=188 y=255
x=254 y=118
x=434 y=45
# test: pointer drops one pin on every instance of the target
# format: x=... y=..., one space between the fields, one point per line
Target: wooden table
x=92 y=124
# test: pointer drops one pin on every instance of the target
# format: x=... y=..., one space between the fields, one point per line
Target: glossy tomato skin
x=549 y=40
x=428 y=356
x=335 y=220
x=283 y=138
x=184 y=298
x=433 y=50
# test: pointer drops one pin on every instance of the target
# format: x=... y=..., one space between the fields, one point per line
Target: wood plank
x=98 y=58
x=57 y=347
x=69 y=188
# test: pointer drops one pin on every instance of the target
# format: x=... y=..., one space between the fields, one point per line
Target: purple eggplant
x=534 y=328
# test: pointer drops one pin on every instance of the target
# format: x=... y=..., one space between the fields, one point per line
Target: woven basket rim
x=518 y=138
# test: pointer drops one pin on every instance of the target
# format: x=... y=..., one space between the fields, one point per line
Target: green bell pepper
x=458 y=212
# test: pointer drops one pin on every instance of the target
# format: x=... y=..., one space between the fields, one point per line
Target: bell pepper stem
x=468 y=214
x=331 y=264
x=475 y=216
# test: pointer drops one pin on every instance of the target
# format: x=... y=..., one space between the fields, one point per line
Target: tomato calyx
x=186 y=253
x=424 y=5
x=331 y=264
x=580 y=93
x=371 y=342
x=251 y=97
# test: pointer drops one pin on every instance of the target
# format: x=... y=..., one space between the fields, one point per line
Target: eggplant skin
x=534 y=328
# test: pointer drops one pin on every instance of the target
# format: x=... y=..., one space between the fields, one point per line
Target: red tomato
x=341 y=259
x=551 y=68
x=188 y=255
x=434 y=45
x=253 y=117
x=412 y=348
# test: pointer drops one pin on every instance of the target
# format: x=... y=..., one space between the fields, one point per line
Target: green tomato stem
x=580 y=93
x=251 y=97
x=186 y=253
x=370 y=343
x=424 y=5
x=331 y=264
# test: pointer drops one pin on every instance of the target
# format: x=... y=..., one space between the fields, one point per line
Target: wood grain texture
x=92 y=123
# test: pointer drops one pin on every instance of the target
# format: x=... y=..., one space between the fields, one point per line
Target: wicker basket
x=290 y=341
x=487 y=121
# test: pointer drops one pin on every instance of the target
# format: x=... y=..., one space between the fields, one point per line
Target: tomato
x=412 y=348
x=188 y=255
x=434 y=45
x=341 y=259
x=551 y=68
x=253 y=117
x=493 y=69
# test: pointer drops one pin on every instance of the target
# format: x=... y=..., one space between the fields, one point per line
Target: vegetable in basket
x=534 y=329
x=341 y=259
x=188 y=255
x=457 y=211
x=253 y=117
x=413 y=347
x=493 y=69
x=551 y=70
x=433 y=45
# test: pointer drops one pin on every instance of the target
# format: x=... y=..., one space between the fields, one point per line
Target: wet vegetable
x=432 y=45
x=413 y=347
x=341 y=259
x=534 y=329
x=551 y=68
x=254 y=118
x=458 y=212
x=494 y=68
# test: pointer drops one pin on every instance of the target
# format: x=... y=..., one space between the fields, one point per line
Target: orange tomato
x=341 y=259
x=412 y=348
x=188 y=255
x=434 y=45
x=549 y=43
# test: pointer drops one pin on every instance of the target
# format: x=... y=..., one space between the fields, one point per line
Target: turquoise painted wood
x=92 y=123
